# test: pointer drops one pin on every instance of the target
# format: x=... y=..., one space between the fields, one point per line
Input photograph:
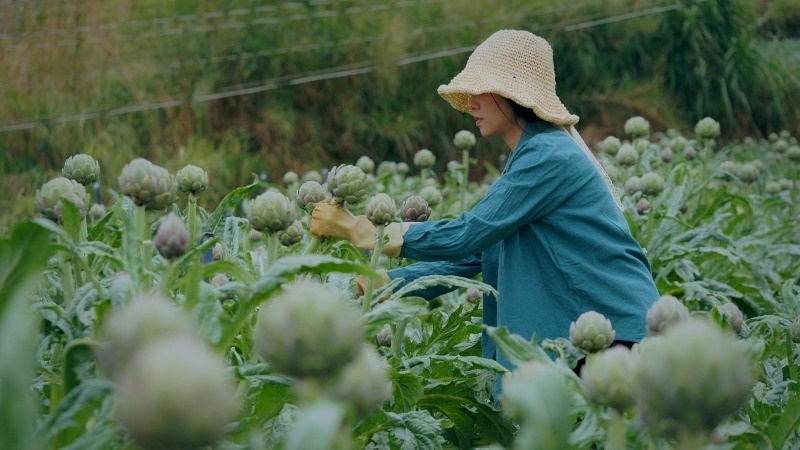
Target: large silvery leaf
x=23 y=257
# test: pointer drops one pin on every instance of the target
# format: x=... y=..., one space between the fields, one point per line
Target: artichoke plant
x=271 y=212
x=309 y=193
x=707 y=128
x=308 y=331
x=292 y=234
x=627 y=155
x=172 y=237
x=607 y=377
x=637 y=127
x=364 y=382
x=610 y=145
x=176 y=394
x=424 y=159
x=415 y=209
x=147 y=184
x=52 y=193
x=381 y=209
x=144 y=319
x=82 y=168
x=592 y=332
x=347 y=184
x=665 y=312
x=192 y=180
x=691 y=378
x=464 y=140
x=366 y=164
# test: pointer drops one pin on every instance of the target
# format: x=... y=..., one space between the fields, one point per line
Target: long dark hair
x=519 y=112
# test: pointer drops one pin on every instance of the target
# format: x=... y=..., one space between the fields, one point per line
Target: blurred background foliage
x=243 y=86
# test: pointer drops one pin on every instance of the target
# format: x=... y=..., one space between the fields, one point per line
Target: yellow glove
x=336 y=222
x=361 y=283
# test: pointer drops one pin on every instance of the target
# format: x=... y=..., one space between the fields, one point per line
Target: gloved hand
x=336 y=222
x=361 y=283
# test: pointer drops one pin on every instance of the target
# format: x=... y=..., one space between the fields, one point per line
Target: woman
x=550 y=234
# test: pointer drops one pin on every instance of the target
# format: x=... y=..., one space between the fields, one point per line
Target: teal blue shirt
x=562 y=246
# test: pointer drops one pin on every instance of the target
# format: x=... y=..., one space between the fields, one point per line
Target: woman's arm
x=467 y=268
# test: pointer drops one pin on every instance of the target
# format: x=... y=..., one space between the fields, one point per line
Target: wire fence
x=284 y=80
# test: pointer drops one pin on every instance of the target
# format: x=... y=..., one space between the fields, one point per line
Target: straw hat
x=517 y=65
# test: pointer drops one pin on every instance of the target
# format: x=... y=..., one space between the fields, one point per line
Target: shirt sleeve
x=534 y=184
x=467 y=268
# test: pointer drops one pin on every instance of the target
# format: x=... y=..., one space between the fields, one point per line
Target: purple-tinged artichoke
x=148 y=185
x=53 y=192
x=192 y=180
x=172 y=237
x=271 y=212
x=82 y=168
x=633 y=185
x=592 y=332
x=794 y=330
x=381 y=209
x=733 y=315
x=415 y=209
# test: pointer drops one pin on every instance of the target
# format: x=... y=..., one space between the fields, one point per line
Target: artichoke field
x=150 y=322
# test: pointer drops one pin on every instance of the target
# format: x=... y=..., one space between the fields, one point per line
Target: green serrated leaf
x=514 y=347
x=407 y=389
x=23 y=257
x=229 y=203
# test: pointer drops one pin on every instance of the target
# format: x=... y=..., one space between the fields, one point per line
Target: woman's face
x=493 y=115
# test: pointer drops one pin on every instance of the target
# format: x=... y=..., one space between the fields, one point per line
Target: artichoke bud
x=308 y=331
x=652 y=183
x=381 y=209
x=82 y=168
x=610 y=145
x=415 y=209
x=607 y=377
x=665 y=312
x=431 y=194
x=733 y=315
x=312 y=175
x=627 y=155
x=52 y=193
x=271 y=212
x=147 y=184
x=172 y=237
x=633 y=185
x=364 y=382
x=386 y=168
x=347 y=184
x=366 y=164
x=749 y=172
x=473 y=295
x=309 y=193
x=97 y=211
x=402 y=168
x=707 y=128
x=192 y=180
x=424 y=159
x=140 y=321
x=592 y=332
x=534 y=390
x=689 y=153
x=464 y=140
x=384 y=336
x=291 y=235
x=642 y=206
x=176 y=394
x=637 y=127
x=290 y=178
x=681 y=387
x=667 y=155
x=793 y=153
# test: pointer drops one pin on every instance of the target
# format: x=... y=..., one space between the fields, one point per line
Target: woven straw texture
x=517 y=65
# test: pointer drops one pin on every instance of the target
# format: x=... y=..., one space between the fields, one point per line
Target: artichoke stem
x=465 y=178
x=373 y=264
x=145 y=245
x=191 y=219
x=617 y=439
x=398 y=333
x=272 y=248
